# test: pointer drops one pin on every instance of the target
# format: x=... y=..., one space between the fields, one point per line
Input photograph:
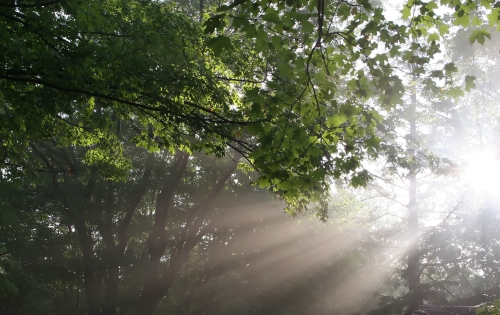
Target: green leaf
x=215 y=22
x=450 y=68
x=462 y=21
x=219 y=44
x=486 y=4
x=455 y=92
x=394 y=51
x=271 y=16
x=263 y=182
x=433 y=37
x=405 y=12
x=334 y=121
x=479 y=36
x=470 y=83
x=444 y=29
x=237 y=23
x=493 y=17
x=373 y=142
x=431 y=5
x=343 y=11
x=476 y=21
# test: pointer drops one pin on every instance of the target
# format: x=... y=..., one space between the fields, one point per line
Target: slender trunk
x=91 y=278
x=111 y=258
x=413 y=225
x=77 y=306
x=413 y=271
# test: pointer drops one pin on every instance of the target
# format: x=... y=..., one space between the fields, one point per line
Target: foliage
x=124 y=120
x=427 y=18
x=489 y=309
x=288 y=82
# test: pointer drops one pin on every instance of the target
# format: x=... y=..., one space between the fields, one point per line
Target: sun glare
x=483 y=171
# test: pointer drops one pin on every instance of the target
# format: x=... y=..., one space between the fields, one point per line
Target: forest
x=254 y=157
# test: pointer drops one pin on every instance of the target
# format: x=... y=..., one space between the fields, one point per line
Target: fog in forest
x=249 y=157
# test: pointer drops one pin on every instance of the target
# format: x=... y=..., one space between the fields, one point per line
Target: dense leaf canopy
x=285 y=84
x=122 y=121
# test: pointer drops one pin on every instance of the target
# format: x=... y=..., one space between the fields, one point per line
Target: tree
x=107 y=218
x=449 y=251
x=63 y=57
x=108 y=105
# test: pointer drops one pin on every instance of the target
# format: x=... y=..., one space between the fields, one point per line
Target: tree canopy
x=282 y=82
x=123 y=121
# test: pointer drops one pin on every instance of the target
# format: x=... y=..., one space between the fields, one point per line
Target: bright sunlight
x=483 y=171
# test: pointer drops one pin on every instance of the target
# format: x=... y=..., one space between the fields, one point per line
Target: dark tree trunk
x=92 y=290
x=157 y=283
x=150 y=298
x=77 y=306
x=91 y=278
x=109 y=306
x=202 y=8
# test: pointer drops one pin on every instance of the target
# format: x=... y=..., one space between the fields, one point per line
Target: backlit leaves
x=289 y=84
x=479 y=36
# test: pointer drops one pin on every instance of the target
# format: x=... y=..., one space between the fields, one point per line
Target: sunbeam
x=483 y=171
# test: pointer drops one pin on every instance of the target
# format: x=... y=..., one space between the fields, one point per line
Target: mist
x=249 y=157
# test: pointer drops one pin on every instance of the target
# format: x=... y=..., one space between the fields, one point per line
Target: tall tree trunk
x=413 y=272
x=77 y=306
x=154 y=286
x=151 y=296
x=157 y=283
x=115 y=251
x=109 y=306
x=110 y=257
x=91 y=278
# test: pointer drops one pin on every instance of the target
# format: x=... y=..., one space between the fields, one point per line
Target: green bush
x=489 y=308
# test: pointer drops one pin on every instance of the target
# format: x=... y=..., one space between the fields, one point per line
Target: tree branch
x=139 y=191
x=156 y=241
